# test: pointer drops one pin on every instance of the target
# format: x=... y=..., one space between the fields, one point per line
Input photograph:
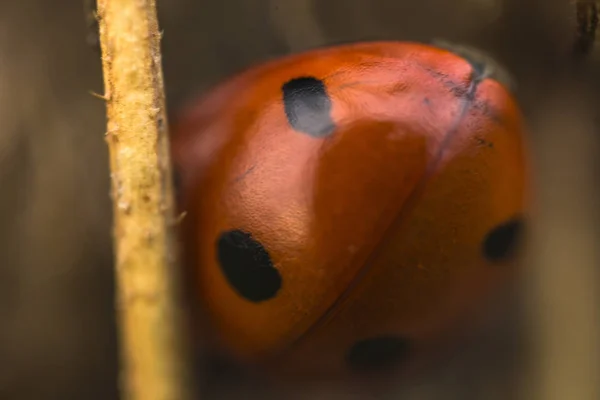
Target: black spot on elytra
x=502 y=241
x=308 y=106
x=247 y=266
x=376 y=354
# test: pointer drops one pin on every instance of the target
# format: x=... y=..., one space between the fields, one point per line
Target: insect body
x=348 y=207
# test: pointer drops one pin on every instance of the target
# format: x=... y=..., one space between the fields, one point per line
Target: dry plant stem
x=154 y=364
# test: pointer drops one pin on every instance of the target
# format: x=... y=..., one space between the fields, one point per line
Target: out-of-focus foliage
x=56 y=298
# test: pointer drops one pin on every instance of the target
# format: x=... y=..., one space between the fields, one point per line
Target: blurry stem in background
x=564 y=251
x=153 y=351
x=587 y=16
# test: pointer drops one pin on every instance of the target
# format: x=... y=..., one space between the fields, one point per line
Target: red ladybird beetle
x=349 y=207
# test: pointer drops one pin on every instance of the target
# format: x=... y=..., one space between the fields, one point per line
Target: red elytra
x=350 y=207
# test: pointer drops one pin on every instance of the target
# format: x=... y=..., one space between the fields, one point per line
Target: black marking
x=479 y=66
x=376 y=354
x=484 y=143
x=501 y=242
x=485 y=108
x=308 y=106
x=458 y=89
x=247 y=266
x=484 y=66
x=244 y=174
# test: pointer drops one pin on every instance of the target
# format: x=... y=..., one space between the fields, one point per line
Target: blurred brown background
x=57 y=338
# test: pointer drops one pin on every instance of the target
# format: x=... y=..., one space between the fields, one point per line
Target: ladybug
x=350 y=208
